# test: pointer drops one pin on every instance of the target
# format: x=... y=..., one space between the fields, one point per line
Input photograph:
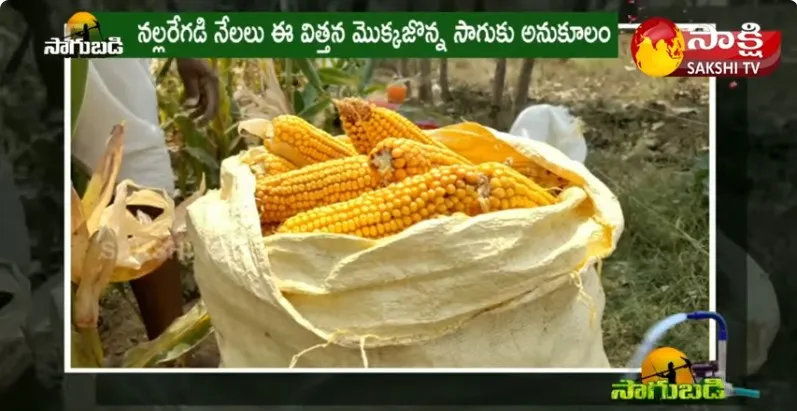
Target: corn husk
x=479 y=144
x=100 y=188
x=80 y=236
x=142 y=243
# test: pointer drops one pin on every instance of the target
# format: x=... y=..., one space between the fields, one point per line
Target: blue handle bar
x=746 y=392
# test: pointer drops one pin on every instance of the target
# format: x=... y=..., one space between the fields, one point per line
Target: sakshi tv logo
x=660 y=48
x=83 y=37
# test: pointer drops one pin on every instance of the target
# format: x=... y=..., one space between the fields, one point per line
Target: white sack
x=515 y=288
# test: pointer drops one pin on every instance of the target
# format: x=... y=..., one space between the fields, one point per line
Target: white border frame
x=67 y=263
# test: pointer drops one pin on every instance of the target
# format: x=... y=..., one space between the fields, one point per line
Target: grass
x=661 y=264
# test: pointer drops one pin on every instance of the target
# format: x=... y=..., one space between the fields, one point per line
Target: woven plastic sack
x=516 y=288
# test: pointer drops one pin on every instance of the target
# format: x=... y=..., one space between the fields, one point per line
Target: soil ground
x=644 y=136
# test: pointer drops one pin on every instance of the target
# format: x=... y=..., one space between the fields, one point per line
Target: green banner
x=360 y=35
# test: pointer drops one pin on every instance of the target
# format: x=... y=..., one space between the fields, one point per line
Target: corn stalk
x=445 y=90
x=523 y=84
x=425 y=88
x=499 y=80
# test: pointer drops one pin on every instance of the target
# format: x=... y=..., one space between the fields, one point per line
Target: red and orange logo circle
x=657 y=47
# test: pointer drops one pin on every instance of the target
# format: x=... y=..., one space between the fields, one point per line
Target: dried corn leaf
x=182 y=336
x=98 y=265
x=100 y=188
x=80 y=237
x=77 y=216
x=259 y=127
x=274 y=95
x=269 y=103
x=265 y=130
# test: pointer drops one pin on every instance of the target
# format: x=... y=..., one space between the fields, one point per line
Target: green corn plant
x=325 y=80
x=182 y=336
x=304 y=87
x=79 y=74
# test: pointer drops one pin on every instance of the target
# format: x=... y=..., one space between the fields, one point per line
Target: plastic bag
x=554 y=126
x=516 y=288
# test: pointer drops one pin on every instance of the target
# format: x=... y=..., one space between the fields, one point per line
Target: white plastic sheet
x=553 y=125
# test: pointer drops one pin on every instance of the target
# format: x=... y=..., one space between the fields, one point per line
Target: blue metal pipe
x=722 y=326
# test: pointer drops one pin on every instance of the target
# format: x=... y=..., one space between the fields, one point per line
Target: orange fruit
x=396 y=93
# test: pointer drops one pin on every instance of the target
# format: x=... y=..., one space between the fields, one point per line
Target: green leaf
x=310 y=112
x=367 y=74
x=373 y=88
x=337 y=77
x=182 y=336
x=79 y=74
x=310 y=72
x=309 y=96
x=235 y=143
x=202 y=156
x=298 y=101
x=192 y=137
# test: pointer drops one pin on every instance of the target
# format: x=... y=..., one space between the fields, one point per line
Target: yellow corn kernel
x=398 y=158
x=284 y=195
x=347 y=141
x=312 y=143
x=264 y=163
x=544 y=178
x=367 y=125
x=443 y=191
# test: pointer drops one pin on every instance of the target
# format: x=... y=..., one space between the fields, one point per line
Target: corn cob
x=442 y=191
x=347 y=141
x=267 y=229
x=397 y=158
x=284 y=195
x=313 y=144
x=540 y=175
x=264 y=163
x=366 y=125
x=280 y=196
